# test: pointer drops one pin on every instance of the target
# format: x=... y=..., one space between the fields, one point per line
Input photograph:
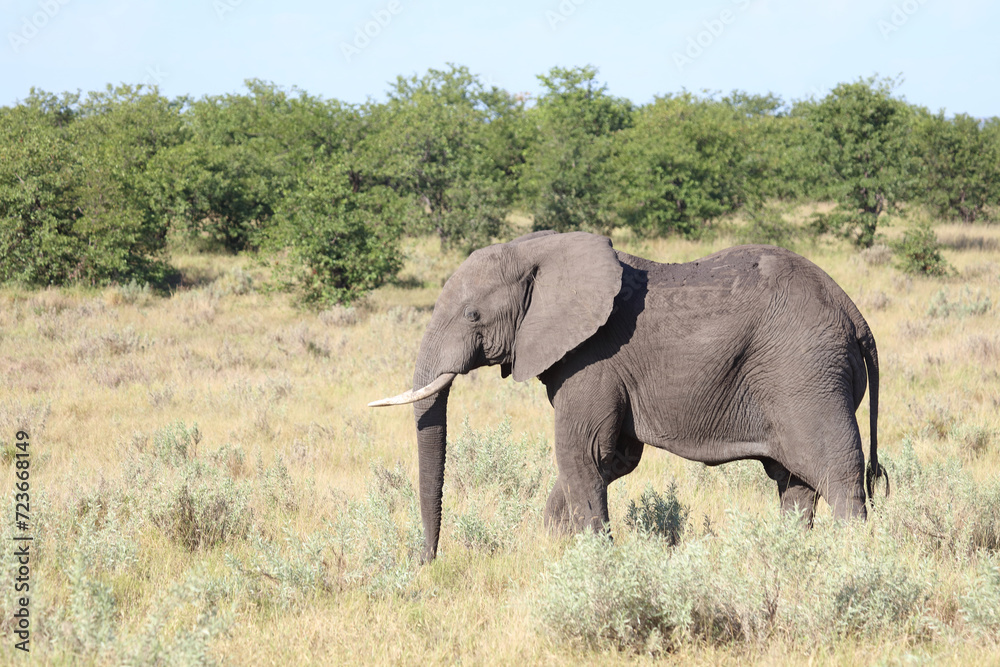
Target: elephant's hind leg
x=793 y=493
x=818 y=438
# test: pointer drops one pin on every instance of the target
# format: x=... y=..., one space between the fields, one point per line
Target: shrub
x=599 y=594
x=379 y=538
x=766 y=577
x=201 y=507
x=919 y=252
x=330 y=244
x=283 y=573
x=176 y=444
x=939 y=507
x=877 y=255
x=91 y=612
x=500 y=482
x=491 y=459
x=184 y=621
x=19 y=415
x=875 y=300
x=755 y=582
x=275 y=485
x=340 y=316
x=660 y=515
x=184 y=618
x=981 y=605
x=131 y=293
x=974 y=438
x=877 y=596
x=107 y=531
x=195 y=502
x=968 y=303
x=237 y=282
x=491 y=532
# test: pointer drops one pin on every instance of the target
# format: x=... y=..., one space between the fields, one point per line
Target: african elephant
x=750 y=353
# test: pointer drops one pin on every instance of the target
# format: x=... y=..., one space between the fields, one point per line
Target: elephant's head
x=520 y=305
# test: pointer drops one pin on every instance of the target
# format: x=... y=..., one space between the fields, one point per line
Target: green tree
x=863 y=138
x=685 y=162
x=960 y=165
x=568 y=179
x=37 y=207
x=243 y=154
x=780 y=160
x=72 y=202
x=116 y=134
x=330 y=243
x=449 y=146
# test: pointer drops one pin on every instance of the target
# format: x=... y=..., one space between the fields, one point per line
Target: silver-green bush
x=756 y=581
x=379 y=538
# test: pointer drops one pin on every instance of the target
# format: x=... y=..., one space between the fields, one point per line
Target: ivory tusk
x=413 y=396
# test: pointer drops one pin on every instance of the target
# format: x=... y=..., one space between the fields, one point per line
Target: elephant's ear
x=575 y=278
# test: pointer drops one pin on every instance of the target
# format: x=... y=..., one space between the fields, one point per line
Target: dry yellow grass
x=87 y=371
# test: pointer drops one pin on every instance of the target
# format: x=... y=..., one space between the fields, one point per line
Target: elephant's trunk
x=429 y=396
x=431 y=415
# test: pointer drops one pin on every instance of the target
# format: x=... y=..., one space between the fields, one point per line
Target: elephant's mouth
x=415 y=395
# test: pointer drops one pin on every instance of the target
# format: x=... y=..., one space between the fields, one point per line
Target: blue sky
x=947 y=52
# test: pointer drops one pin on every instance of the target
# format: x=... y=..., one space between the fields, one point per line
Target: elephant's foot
x=566 y=512
x=797 y=496
x=848 y=501
x=557 y=517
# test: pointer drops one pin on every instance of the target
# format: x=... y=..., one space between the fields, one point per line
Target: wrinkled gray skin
x=751 y=353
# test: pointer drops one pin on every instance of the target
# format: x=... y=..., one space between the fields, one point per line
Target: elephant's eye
x=471 y=314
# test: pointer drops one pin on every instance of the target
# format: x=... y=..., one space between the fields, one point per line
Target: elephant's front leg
x=577 y=501
x=585 y=440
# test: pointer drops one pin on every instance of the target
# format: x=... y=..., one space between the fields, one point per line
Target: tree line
x=92 y=187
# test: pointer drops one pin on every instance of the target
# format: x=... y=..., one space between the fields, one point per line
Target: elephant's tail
x=875 y=470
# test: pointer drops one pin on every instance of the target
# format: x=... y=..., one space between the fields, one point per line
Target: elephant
x=753 y=352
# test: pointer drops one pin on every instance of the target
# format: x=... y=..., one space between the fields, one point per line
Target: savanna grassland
x=207 y=485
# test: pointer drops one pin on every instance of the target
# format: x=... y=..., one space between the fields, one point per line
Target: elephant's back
x=745 y=264
x=752 y=276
